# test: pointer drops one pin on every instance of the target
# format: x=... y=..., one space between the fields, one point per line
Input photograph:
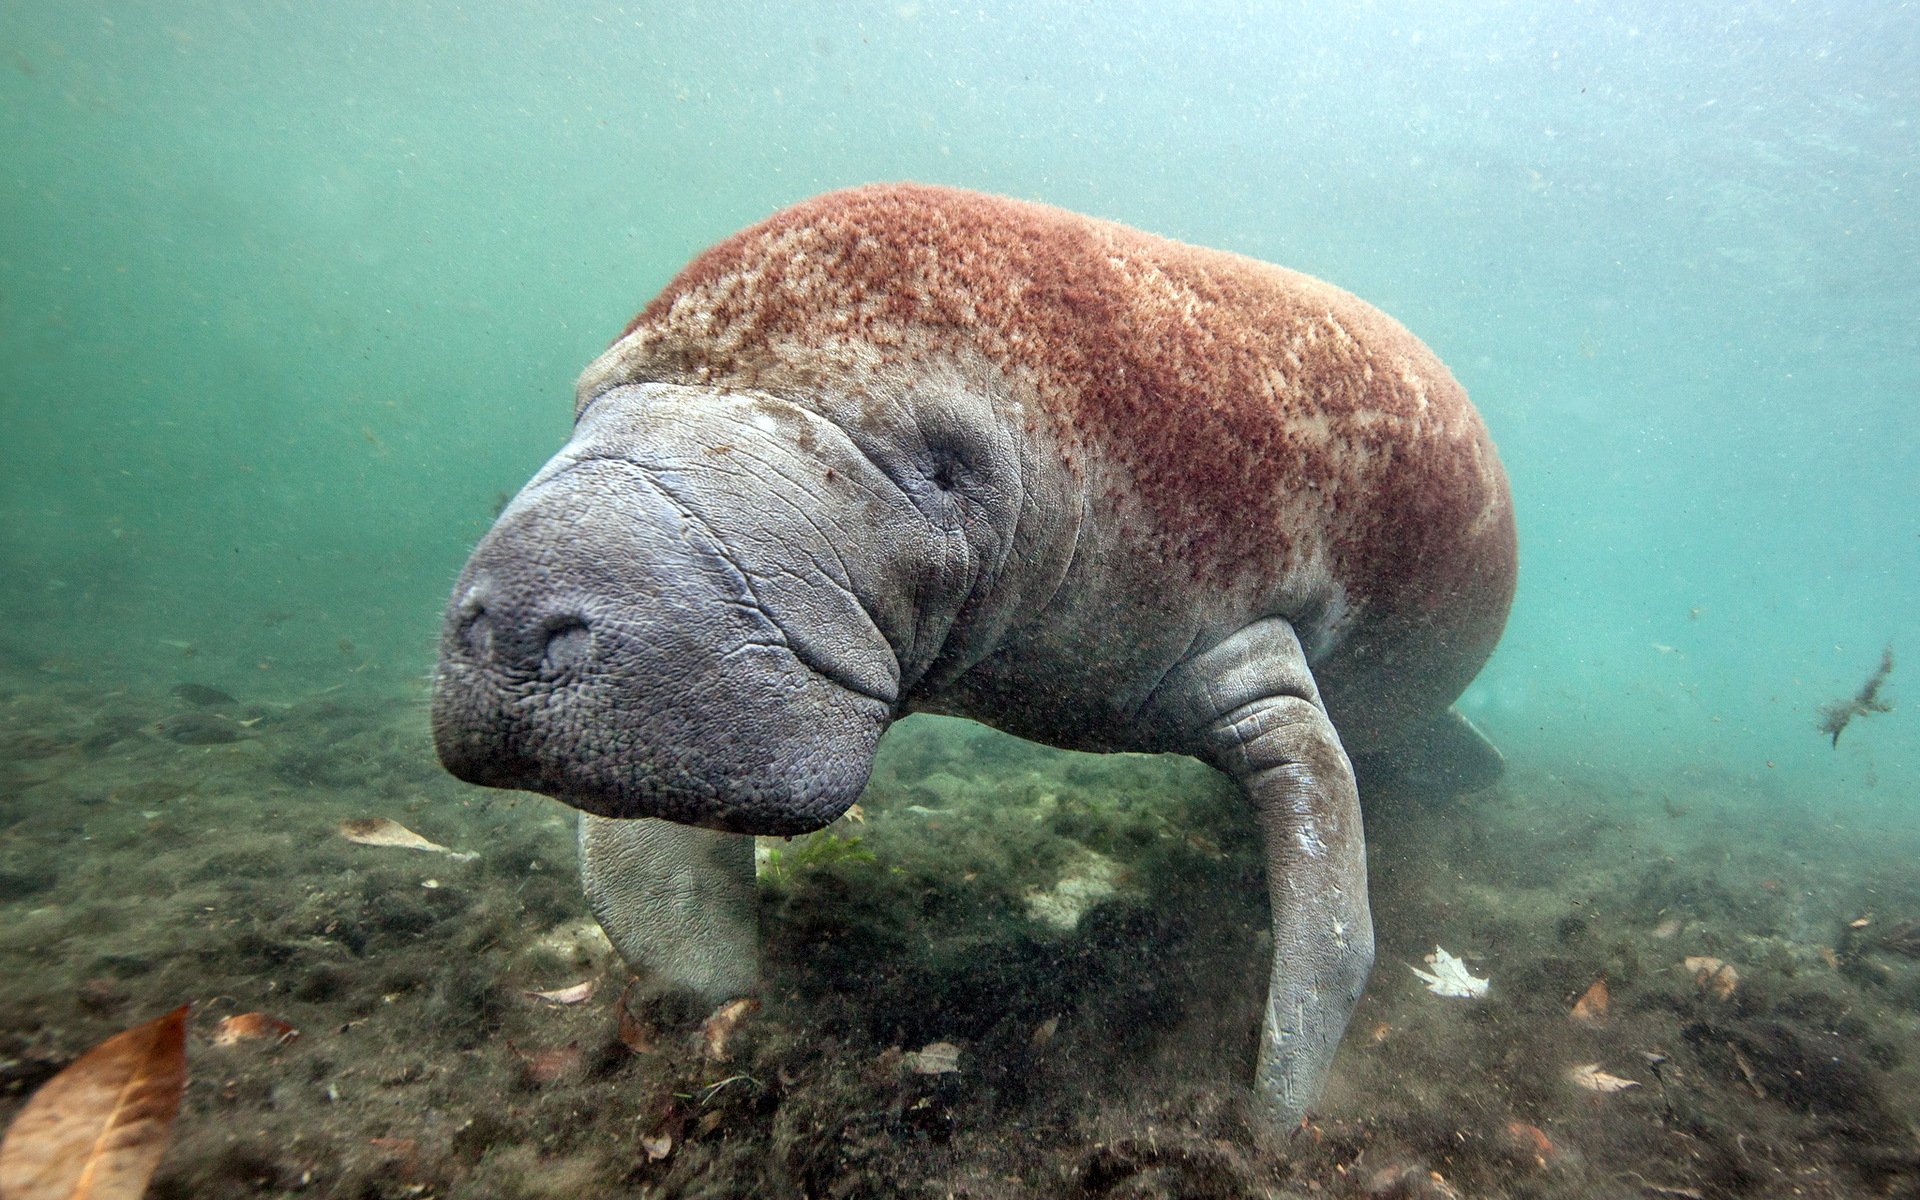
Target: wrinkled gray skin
x=708 y=607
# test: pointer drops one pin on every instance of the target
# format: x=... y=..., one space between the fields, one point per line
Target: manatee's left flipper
x=678 y=903
x=1254 y=712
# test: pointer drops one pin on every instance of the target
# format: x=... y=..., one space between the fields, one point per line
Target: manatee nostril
x=476 y=633
x=568 y=645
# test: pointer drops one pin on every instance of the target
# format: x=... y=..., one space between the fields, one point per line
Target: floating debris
x=1865 y=702
x=253 y=1026
x=719 y=1028
x=100 y=1127
x=1593 y=1005
x=1592 y=1078
x=1712 y=975
x=576 y=994
x=934 y=1058
x=1449 y=977
x=379 y=831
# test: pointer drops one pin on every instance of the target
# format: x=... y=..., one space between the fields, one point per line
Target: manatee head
x=658 y=625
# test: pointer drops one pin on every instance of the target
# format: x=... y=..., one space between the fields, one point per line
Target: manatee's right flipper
x=677 y=902
x=1250 y=707
x=1447 y=755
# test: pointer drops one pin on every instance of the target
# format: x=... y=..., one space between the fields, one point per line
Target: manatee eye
x=947 y=470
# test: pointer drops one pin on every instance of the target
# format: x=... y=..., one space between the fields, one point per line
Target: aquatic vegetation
x=780 y=864
x=935 y=1058
x=201 y=728
x=1903 y=938
x=1865 y=702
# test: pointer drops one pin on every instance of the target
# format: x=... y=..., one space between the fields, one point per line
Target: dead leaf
x=1591 y=1077
x=1531 y=1141
x=378 y=831
x=1043 y=1033
x=934 y=1058
x=1593 y=1005
x=246 y=1027
x=719 y=1027
x=98 y=1129
x=1712 y=975
x=567 y=995
x=657 y=1148
x=553 y=1064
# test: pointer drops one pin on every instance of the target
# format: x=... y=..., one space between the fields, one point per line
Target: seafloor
x=1087 y=932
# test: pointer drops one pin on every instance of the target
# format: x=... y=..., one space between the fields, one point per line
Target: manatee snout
x=605 y=648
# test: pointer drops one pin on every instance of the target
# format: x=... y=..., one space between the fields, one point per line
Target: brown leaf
x=1592 y=1006
x=554 y=1064
x=1530 y=1141
x=1712 y=975
x=245 y=1027
x=96 y=1130
x=720 y=1026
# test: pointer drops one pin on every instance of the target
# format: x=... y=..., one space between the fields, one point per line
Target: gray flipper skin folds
x=676 y=901
x=911 y=449
x=1257 y=715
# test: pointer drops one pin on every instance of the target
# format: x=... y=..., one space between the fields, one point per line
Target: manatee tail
x=1446 y=755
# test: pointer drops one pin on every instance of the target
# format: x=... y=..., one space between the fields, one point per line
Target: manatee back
x=1248 y=429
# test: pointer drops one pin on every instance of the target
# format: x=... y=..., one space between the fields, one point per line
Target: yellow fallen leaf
x=1591 y=1077
x=96 y=1130
x=379 y=831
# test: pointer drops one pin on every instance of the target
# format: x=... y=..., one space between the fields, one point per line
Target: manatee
x=914 y=449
